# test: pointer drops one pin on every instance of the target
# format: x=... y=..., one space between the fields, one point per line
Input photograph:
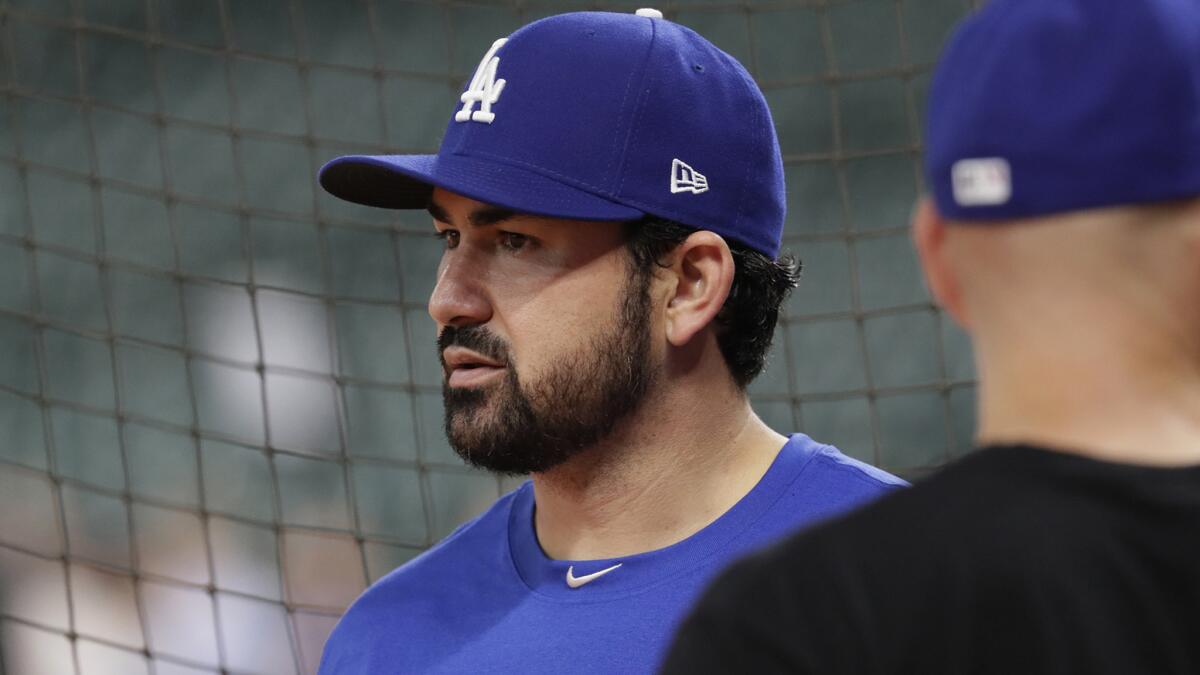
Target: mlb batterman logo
x=985 y=181
x=484 y=89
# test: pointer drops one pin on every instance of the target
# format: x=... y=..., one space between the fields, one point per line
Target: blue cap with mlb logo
x=599 y=116
x=1044 y=106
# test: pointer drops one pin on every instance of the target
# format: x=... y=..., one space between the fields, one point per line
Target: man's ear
x=703 y=269
x=929 y=238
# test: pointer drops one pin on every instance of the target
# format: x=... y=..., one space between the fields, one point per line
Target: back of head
x=1064 y=152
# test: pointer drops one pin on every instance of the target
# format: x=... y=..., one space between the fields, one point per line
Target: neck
x=1116 y=392
x=675 y=466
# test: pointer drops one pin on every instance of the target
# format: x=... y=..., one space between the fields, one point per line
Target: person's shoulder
x=832 y=476
x=964 y=536
x=435 y=577
x=833 y=460
x=906 y=529
x=814 y=587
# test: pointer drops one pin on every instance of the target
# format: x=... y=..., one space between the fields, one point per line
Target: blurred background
x=220 y=413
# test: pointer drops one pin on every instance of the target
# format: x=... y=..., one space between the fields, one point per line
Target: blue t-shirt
x=488 y=600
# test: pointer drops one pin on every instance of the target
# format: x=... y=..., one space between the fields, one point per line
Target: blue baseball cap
x=599 y=116
x=1045 y=106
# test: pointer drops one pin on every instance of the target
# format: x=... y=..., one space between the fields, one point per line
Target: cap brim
x=407 y=181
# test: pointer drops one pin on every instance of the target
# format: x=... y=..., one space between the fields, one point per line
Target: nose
x=459 y=298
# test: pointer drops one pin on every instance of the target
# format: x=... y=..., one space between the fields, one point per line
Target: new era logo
x=686 y=179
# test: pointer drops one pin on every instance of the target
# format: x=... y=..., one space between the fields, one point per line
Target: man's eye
x=513 y=241
x=448 y=236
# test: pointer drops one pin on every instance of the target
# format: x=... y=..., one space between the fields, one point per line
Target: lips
x=466 y=368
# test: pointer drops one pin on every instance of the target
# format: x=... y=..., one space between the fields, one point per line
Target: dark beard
x=578 y=402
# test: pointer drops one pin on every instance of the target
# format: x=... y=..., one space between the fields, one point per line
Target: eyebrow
x=481 y=217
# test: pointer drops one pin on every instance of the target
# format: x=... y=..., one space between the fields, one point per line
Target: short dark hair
x=746 y=323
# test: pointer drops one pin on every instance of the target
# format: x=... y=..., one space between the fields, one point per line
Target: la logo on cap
x=485 y=89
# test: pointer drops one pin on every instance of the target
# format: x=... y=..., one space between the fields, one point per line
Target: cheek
x=558 y=324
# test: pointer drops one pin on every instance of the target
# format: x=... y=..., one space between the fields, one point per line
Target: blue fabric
x=488 y=600
x=595 y=109
x=1092 y=103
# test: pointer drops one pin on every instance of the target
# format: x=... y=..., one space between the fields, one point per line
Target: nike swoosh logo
x=575 y=582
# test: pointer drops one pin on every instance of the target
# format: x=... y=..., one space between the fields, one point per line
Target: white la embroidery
x=686 y=179
x=485 y=89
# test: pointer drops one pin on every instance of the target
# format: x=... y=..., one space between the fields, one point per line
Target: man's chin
x=481 y=438
x=472 y=399
x=478 y=420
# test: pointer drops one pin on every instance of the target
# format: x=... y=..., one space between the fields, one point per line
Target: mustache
x=476 y=338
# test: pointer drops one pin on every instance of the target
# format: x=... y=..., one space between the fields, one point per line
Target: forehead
x=455 y=209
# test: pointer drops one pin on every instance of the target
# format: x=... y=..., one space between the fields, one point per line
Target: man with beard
x=610 y=195
x=1063 y=232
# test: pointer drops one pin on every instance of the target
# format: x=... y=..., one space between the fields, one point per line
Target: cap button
x=649 y=13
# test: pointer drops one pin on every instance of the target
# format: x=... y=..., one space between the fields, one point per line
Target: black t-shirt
x=1013 y=560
